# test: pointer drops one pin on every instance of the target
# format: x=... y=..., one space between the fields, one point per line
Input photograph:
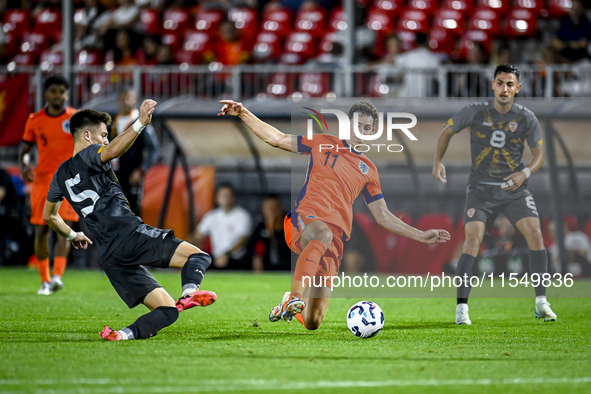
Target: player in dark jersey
x=498 y=179
x=124 y=242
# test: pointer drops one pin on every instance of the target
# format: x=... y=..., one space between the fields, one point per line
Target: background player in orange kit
x=323 y=215
x=49 y=129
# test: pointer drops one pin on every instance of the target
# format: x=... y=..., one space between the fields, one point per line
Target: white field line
x=84 y=386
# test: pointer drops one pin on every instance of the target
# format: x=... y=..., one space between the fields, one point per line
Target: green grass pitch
x=51 y=344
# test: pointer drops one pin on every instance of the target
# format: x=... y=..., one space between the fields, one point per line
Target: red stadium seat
x=466 y=7
x=34 y=43
x=389 y=249
x=521 y=23
x=291 y=58
x=467 y=42
x=415 y=21
x=485 y=19
x=277 y=20
x=427 y=6
x=501 y=7
x=571 y=223
x=534 y=6
x=312 y=21
x=314 y=84
x=172 y=40
x=11 y=46
x=442 y=40
x=16 y=22
x=150 y=21
x=302 y=44
x=267 y=47
x=327 y=42
x=390 y=7
x=24 y=59
x=451 y=20
x=337 y=20
x=281 y=85
x=176 y=20
x=558 y=8
x=208 y=21
x=246 y=22
x=423 y=258
x=49 y=23
x=380 y=21
x=89 y=58
x=49 y=59
x=197 y=43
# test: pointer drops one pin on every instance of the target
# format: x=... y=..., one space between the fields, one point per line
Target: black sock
x=538 y=264
x=465 y=266
x=148 y=325
x=194 y=269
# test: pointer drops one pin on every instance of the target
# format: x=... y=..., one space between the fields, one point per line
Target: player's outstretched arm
x=123 y=142
x=442 y=144
x=263 y=130
x=386 y=219
x=54 y=220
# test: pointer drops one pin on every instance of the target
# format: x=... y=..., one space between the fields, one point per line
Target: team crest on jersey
x=513 y=126
x=66 y=126
x=471 y=212
x=364 y=168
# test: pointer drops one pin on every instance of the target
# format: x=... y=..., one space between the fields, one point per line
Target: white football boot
x=543 y=311
x=45 y=289
x=462 y=315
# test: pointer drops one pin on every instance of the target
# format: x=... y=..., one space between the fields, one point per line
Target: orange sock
x=59 y=265
x=43 y=266
x=307 y=264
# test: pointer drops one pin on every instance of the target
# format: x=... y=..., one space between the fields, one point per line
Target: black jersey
x=497 y=140
x=92 y=189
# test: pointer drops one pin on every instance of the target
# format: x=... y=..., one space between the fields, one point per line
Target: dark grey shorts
x=485 y=202
x=146 y=246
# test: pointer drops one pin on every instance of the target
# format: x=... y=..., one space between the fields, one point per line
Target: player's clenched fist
x=231 y=108
x=146 y=111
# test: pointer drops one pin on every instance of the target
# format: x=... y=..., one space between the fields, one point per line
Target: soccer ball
x=365 y=319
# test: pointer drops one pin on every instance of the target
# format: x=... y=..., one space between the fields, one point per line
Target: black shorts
x=485 y=202
x=146 y=246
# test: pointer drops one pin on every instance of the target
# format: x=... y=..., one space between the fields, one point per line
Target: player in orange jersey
x=322 y=218
x=49 y=129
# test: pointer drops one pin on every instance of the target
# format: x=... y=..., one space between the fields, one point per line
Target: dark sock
x=193 y=271
x=148 y=325
x=538 y=264
x=465 y=266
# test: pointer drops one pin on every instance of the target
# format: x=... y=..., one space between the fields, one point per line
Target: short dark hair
x=56 y=80
x=365 y=108
x=85 y=118
x=507 y=69
x=225 y=185
x=421 y=39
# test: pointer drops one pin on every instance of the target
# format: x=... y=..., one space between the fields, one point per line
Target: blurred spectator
x=147 y=55
x=503 y=54
x=164 y=55
x=143 y=154
x=393 y=49
x=420 y=64
x=572 y=38
x=229 y=48
x=11 y=225
x=124 y=17
x=578 y=247
x=228 y=228
x=267 y=243
x=87 y=22
x=124 y=54
x=475 y=83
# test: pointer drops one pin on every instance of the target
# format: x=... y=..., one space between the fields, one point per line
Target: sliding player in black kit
x=498 y=181
x=124 y=242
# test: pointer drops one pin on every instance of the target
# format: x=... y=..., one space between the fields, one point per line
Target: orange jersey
x=54 y=142
x=336 y=175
